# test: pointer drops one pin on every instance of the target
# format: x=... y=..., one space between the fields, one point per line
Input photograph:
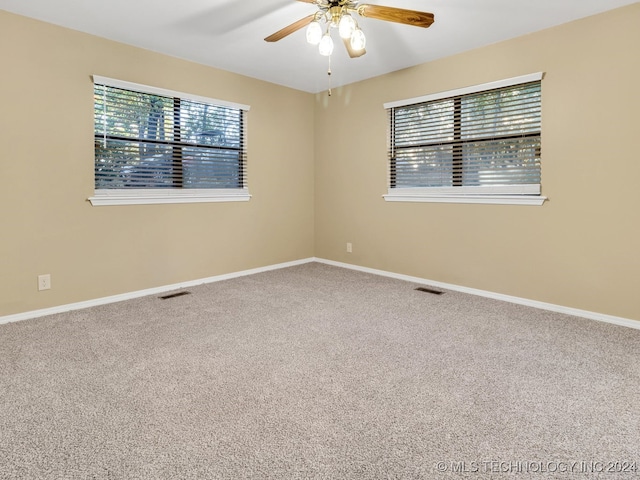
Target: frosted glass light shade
x=358 y=40
x=314 y=33
x=346 y=26
x=326 y=45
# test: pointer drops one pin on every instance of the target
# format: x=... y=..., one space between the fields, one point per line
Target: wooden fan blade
x=289 y=29
x=398 y=15
x=353 y=53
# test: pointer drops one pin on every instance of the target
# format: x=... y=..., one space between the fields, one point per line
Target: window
x=159 y=146
x=479 y=144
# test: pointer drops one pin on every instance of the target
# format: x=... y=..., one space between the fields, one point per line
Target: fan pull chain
x=329 y=75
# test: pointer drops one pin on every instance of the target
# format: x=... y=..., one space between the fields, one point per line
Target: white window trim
x=517 y=194
x=138 y=87
x=507 y=82
x=498 y=195
x=483 y=199
x=145 y=196
x=155 y=196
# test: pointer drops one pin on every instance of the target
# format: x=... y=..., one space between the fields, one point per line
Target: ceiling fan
x=337 y=14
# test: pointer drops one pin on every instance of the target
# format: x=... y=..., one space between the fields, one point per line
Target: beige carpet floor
x=318 y=372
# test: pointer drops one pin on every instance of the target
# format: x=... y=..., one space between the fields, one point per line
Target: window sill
x=484 y=199
x=120 y=197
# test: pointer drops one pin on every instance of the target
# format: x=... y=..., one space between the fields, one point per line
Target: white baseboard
x=624 y=322
x=143 y=293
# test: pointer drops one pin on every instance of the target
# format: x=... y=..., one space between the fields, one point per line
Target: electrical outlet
x=349 y=247
x=44 y=282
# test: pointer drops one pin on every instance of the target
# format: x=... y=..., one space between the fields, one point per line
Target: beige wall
x=581 y=249
x=46 y=167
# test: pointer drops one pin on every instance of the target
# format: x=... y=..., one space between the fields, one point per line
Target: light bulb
x=314 y=33
x=326 y=45
x=346 y=26
x=358 y=40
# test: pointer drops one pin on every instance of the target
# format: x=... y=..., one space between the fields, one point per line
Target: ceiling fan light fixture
x=342 y=15
x=314 y=33
x=326 y=45
x=346 y=26
x=358 y=40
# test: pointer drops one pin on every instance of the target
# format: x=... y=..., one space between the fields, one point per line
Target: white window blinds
x=478 y=142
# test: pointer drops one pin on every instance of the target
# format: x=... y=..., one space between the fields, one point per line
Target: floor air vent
x=429 y=290
x=174 y=295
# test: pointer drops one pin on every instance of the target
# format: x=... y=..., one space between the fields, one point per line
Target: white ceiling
x=228 y=34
